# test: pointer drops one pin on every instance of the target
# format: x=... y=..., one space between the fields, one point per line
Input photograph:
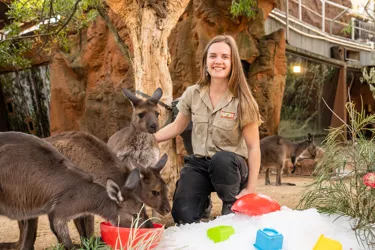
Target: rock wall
x=86 y=84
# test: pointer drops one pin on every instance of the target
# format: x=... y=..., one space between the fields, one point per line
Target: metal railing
x=361 y=26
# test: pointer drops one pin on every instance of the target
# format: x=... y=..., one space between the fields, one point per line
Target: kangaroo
x=308 y=159
x=275 y=150
x=135 y=145
x=136 y=142
x=35 y=179
x=310 y=153
x=94 y=157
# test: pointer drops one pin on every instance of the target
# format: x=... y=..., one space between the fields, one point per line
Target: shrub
x=345 y=179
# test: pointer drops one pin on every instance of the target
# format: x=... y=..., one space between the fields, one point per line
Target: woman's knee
x=227 y=168
x=187 y=210
x=222 y=160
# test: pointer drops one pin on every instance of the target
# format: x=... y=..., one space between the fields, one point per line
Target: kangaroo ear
x=131 y=97
x=136 y=165
x=279 y=140
x=156 y=96
x=310 y=138
x=133 y=179
x=114 y=191
x=161 y=163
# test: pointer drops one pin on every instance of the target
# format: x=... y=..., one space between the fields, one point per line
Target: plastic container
x=117 y=237
x=325 y=243
x=255 y=204
x=269 y=239
x=220 y=233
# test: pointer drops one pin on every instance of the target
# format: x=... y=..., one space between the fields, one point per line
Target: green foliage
x=25 y=11
x=11 y=53
x=56 y=247
x=368 y=76
x=338 y=187
x=52 y=22
x=93 y=243
x=246 y=8
x=347 y=30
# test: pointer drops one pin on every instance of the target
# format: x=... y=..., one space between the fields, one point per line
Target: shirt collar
x=203 y=92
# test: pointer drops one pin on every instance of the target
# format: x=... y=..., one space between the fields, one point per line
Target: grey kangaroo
x=94 y=157
x=275 y=150
x=35 y=179
x=136 y=143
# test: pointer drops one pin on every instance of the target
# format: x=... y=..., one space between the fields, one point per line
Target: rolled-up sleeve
x=184 y=105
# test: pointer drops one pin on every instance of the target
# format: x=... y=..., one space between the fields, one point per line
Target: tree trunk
x=149 y=23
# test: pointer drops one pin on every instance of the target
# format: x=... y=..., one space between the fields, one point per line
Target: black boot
x=226 y=209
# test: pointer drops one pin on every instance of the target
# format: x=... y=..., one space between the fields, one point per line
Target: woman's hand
x=245 y=191
x=173 y=129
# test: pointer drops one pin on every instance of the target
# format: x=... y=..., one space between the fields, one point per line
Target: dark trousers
x=225 y=173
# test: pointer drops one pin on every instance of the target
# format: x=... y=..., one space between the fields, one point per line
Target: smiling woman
x=225 y=134
x=219 y=61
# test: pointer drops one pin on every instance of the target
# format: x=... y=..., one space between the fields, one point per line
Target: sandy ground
x=286 y=195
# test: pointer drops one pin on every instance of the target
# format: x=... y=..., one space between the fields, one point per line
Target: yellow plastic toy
x=325 y=243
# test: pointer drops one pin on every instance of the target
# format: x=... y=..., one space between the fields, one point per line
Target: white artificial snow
x=301 y=230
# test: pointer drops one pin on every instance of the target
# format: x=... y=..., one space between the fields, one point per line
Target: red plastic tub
x=118 y=237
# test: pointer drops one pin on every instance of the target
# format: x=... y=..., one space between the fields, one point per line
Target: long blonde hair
x=248 y=109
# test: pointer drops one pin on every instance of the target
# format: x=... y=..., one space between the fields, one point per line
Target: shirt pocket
x=200 y=129
x=225 y=133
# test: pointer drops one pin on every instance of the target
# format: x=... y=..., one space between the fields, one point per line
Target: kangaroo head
x=308 y=144
x=145 y=112
x=128 y=205
x=154 y=191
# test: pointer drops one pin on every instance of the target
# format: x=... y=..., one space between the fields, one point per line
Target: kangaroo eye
x=155 y=193
x=141 y=115
x=157 y=113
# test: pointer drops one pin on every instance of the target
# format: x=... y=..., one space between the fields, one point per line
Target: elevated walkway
x=355 y=50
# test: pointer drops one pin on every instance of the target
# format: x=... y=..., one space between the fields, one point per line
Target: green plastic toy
x=325 y=243
x=220 y=233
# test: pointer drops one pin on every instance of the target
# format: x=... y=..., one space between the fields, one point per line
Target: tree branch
x=48 y=26
x=372 y=17
x=41 y=14
x=46 y=34
x=159 y=6
x=120 y=43
x=175 y=8
x=128 y=10
x=70 y=17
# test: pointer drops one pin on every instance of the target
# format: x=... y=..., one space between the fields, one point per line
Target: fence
x=352 y=24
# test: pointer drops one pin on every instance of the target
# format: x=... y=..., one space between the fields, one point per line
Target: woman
x=225 y=134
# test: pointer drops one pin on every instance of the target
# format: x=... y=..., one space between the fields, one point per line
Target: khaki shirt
x=216 y=129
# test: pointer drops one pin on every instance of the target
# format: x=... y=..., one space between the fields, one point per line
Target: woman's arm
x=173 y=129
x=251 y=134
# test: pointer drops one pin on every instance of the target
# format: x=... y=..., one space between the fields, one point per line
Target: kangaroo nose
x=168 y=208
x=153 y=125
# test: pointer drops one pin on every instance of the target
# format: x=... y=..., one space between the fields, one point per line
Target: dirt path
x=286 y=195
